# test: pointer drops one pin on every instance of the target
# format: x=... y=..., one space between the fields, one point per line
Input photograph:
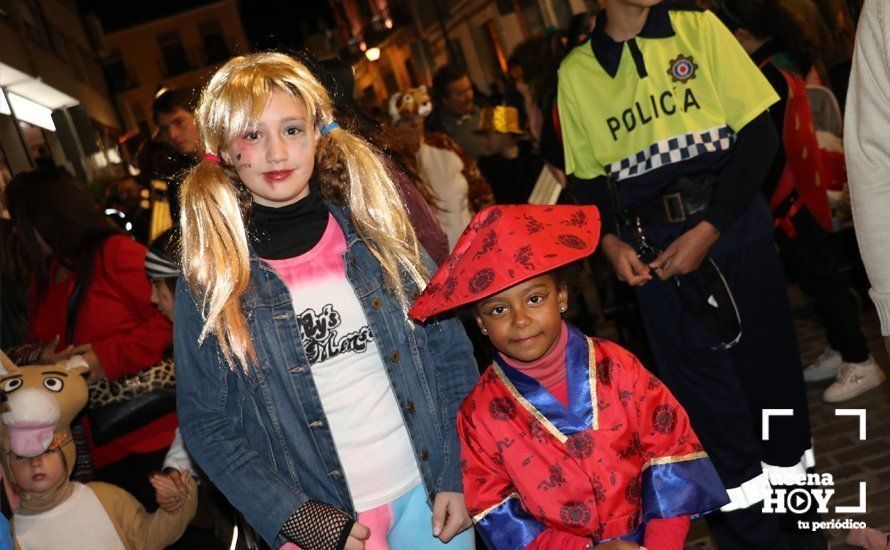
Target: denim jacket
x=263 y=439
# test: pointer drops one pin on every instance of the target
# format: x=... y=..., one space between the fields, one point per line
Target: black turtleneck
x=288 y=231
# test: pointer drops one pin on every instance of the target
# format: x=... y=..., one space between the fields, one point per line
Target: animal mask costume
x=39 y=402
x=413 y=101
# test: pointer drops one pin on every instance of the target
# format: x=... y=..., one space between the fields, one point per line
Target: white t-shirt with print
x=356 y=395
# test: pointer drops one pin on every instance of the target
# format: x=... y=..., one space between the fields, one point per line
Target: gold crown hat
x=500 y=118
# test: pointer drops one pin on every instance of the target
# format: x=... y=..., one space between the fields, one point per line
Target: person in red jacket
x=89 y=295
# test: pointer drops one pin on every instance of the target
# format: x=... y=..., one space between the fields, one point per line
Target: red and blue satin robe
x=621 y=454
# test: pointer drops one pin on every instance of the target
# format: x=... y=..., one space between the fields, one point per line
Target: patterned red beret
x=505 y=245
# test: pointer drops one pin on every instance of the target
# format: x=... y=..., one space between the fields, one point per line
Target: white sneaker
x=854 y=379
x=825 y=367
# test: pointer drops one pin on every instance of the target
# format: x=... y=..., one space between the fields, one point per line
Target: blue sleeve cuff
x=508 y=526
x=679 y=486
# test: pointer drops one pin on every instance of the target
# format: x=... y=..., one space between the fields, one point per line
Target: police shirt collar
x=608 y=52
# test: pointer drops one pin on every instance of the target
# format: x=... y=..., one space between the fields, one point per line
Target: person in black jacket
x=512 y=168
x=173 y=113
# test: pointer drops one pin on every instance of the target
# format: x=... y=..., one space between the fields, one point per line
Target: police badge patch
x=682 y=69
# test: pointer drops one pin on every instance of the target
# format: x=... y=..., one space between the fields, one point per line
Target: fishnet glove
x=318 y=526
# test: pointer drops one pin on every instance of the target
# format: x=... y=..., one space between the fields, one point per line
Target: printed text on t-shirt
x=319 y=335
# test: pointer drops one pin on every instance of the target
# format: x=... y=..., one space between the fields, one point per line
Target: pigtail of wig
x=376 y=208
x=215 y=259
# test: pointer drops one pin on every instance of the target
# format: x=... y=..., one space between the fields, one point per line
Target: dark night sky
x=278 y=24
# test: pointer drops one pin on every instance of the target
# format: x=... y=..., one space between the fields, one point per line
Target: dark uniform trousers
x=724 y=391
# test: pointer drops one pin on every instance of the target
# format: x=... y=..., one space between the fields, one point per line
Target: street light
x=373 y=54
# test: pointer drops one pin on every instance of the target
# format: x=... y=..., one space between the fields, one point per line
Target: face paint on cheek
x=241 y=165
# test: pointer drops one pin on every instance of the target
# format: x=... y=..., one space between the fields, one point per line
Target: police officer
x=665 y=128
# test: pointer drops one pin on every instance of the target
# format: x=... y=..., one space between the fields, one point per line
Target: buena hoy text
x=800 y=493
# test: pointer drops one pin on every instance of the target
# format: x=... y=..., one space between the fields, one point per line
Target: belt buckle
x=673 y=203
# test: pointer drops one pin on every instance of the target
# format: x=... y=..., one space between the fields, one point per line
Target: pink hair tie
x=212 y=158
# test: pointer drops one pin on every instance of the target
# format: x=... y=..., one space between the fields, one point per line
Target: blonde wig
x=215 y=203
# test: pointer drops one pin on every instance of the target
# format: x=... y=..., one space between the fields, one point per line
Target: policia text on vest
x=641 y=114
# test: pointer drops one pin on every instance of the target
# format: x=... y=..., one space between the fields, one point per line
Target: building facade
x=54 y=103
x=177 y=51
x=409 y=39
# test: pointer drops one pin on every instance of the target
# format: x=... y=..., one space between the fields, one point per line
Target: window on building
x=75 y=61
x=450 y=5
x=428 y=16
x=389 y=80
x=116 y=74
x=364 y=9
x=173 y=53
x=5 y=10
x=412 y=71
x=71 y=5
x=93 y=69
x=489 y=50
x=138 y=111
x=32 y=17
x=215 y=46
x=57 y=39
x=460 y=56
x=531 y=13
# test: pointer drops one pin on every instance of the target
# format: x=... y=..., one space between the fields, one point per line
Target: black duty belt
x=681 y=201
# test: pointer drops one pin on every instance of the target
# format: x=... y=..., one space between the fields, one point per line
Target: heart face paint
x=275 y=159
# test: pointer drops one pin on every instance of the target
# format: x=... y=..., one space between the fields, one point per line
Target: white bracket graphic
x=765 y=416
x=860 y=509
x=854 y=412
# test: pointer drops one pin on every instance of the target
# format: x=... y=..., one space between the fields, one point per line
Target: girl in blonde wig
x=305 y=393
x=214 y=239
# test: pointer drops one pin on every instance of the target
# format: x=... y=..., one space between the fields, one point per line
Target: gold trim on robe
x=591 y=366
x=591 y=369
x=481 y=515
x=673 y=459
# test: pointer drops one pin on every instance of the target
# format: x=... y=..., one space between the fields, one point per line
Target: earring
x=562 y=309
x=484 y=332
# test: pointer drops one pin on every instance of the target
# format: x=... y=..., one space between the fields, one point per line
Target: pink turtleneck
x=549 y=370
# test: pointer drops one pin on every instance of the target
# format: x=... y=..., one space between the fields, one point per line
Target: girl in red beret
x=566 y=441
